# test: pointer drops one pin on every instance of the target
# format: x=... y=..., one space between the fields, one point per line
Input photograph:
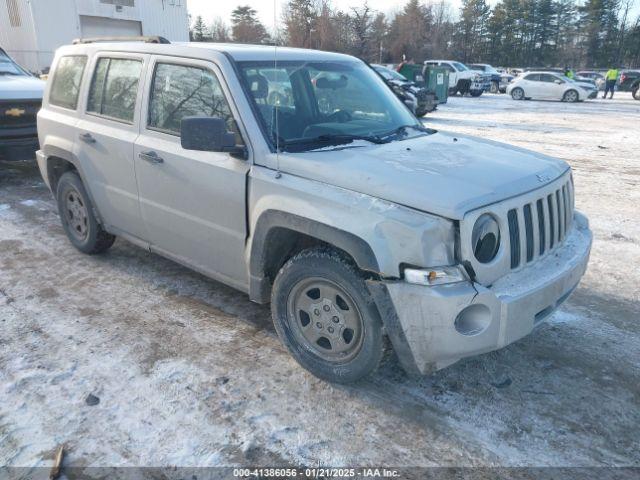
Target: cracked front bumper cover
x=420 y=321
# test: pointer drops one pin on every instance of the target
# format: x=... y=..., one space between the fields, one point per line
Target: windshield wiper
x=402 y=130
x=347 y=138
x=329 y=139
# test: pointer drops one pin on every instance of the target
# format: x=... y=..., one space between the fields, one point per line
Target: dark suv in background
x=628 y=81
x=20 y=100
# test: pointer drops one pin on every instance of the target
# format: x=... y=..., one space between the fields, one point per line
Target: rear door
x=106 y=136
x=193 y=203
x=531 y=85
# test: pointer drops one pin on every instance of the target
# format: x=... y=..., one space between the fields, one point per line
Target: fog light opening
x=473 y=320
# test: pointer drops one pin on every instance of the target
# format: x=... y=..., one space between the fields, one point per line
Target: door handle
x=87 y=138
x=151 y=157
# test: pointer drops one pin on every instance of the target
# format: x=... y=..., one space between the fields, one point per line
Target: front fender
x=380 y=236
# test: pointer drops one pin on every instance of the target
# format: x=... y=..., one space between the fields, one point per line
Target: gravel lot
x=188 y=372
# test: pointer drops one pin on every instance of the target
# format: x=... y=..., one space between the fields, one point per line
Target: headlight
x=485 y=238
x=434 y=276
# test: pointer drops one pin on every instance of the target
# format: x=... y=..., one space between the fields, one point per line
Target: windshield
x=459 y=66
x=309 y=105
x=8 y=67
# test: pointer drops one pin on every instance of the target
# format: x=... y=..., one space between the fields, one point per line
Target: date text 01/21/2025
x=318 y=472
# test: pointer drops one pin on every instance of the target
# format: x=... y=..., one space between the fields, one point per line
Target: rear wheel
x=475 y=93
x=78 y=217
x=636 y=92
x=495 y=87
x=325 y=316
x=517 y=93
x=570 y=96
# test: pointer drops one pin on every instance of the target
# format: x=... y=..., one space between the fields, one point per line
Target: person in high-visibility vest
x=611 y=78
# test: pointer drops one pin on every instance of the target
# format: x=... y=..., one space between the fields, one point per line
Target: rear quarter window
x=65 y=87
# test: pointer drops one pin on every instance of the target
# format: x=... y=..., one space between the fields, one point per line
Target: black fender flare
x=259 y=285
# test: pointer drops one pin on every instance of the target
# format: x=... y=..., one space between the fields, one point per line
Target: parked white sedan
x=550 y=86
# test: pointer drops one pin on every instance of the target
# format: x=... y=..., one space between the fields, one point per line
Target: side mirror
x=558 y=82
x=208 y=134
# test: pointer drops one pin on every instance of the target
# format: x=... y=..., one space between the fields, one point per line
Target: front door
x=107 y=132
x=553 y=86
x=193 y=203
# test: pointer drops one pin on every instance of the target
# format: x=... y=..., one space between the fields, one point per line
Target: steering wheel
x=340 y=116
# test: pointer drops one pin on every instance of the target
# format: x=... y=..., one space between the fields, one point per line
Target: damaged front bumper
x=433 y=327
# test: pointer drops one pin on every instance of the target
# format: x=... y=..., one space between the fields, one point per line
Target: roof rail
x=147 y=39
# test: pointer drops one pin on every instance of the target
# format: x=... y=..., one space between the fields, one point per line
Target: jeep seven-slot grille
x=536 y=227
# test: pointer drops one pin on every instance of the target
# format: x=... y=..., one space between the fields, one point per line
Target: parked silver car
x=360 y=226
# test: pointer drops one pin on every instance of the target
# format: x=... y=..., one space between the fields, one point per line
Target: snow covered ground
x=188 y=372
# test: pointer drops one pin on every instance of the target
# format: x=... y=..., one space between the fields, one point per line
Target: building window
x=14 y=13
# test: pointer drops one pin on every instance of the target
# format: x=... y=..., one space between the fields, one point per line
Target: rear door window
x=65 y=86
x=533 y=77
x=114 y=88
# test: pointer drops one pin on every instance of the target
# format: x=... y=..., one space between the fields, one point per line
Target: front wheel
x=636 y=92
x=326 y=317
x=570 y=96
x=517 y=94
x=475 y=93
x=78 y=218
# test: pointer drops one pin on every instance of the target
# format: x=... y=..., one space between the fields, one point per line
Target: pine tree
x=472 y=29
x=200 y=32
x=246 y=27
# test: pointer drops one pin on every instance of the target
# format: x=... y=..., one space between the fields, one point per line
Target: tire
x=78 y=217
x=326 y=317
x=463 y=87
x=517 y=93
x=636 y=92
x=475 y=93
x=495 y=87
x=570 y=96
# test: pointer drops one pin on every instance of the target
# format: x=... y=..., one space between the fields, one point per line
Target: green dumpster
x=437 y=79
x=433 y=79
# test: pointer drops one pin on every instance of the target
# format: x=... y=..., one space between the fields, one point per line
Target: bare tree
x=219 y=31
x=361 y=26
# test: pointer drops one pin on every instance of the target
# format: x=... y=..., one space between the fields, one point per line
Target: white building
x=31 y=30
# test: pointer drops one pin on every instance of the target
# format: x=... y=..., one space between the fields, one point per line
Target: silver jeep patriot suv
x=299 y=178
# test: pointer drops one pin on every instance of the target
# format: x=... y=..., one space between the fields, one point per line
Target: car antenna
x=275 y=67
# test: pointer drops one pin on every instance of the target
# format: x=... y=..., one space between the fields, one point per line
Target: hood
x=444 y=174
x=21 y=87
x=585 y=85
